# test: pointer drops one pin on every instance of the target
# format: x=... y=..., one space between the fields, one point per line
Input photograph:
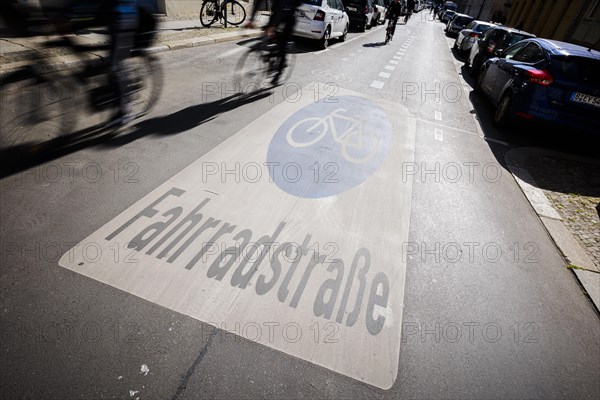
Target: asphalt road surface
x=404 y=261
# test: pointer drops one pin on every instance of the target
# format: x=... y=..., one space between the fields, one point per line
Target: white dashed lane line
x=394 y=62
x=384 y=75
x=377 y=84
x=439 y=136
x=389 y=67
x=438 y=116
x=397 y=58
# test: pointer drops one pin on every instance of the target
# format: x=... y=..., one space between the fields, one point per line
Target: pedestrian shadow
x=375 y=44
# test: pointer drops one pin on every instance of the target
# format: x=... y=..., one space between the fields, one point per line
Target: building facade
x=485 y=10
x=575 y=21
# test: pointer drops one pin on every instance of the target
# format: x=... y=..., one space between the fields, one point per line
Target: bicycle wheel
x=251 y=70
x=35 y=109
x=208 y=13
x=307 y=132
x=236 y=14
x=359 y=148
x=145 y=83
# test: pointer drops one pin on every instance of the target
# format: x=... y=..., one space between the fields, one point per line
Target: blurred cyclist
x=283 y=12
x=122 y=28
x=122 y=18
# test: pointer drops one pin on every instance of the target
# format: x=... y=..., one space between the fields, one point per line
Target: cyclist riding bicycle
x=122 y=18
x=283 y=12
x=393 y=13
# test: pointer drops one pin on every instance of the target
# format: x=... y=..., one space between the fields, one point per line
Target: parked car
x=360 y=13
x=449 y=5
x=379 y=8
x=322 y=20
x=468 y=36
x=458 y=23
x=544 y=80
x=492 y=43
x=447 y=16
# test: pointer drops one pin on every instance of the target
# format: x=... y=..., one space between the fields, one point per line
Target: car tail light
x=491 y=47
x=540 y=77
x=319 y=16
x=473 y=34
x=366 y=10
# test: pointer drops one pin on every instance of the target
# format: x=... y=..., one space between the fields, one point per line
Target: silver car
x=466 y=37
x=458 y=23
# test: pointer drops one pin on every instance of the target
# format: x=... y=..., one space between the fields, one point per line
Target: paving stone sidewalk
x=172 y=33
x=573 y=188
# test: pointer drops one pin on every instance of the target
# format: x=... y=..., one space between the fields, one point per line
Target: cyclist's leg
x=289 y=21
x=394 y=22
x=122 y=40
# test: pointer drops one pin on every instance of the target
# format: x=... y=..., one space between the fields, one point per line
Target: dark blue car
x=546 y=81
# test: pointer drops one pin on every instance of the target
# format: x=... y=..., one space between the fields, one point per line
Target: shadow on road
x=19 y=158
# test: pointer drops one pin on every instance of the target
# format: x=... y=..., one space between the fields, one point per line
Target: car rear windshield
x=482 y=28
x=581 y=70
x=312 y=2
x=355 y=3
x=513 y=38
x=463 y=20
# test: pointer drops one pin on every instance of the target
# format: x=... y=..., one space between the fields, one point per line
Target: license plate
x=586 y=99
x=352 y=8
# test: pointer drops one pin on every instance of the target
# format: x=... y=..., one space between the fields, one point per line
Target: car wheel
x=324 y=42
x=345 y=34
x=475 y=66
x=361 y=27
x=504 y=112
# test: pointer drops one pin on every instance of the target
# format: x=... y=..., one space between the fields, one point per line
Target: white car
x=468 y=36
x=322 y=20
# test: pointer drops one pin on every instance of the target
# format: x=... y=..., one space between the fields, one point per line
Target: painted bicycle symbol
x=340 y=76
x=358 y=145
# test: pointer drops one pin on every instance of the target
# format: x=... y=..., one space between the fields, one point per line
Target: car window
x=482 y=28
x=487 y=35
x=472 y=25
x=532 y=53
x=509 y=54
x=331 y=3
x=340 y=5
x=511 y=38
x=312 y=2
x=580 y=70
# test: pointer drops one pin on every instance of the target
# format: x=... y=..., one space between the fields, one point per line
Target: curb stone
x=562 y=237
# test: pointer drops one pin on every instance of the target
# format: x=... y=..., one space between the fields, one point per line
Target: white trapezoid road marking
x=377 y=84
x=319 y=277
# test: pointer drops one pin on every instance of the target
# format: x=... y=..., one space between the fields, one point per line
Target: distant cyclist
x=410 y=7
x=393 y=12
x=283 y=12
